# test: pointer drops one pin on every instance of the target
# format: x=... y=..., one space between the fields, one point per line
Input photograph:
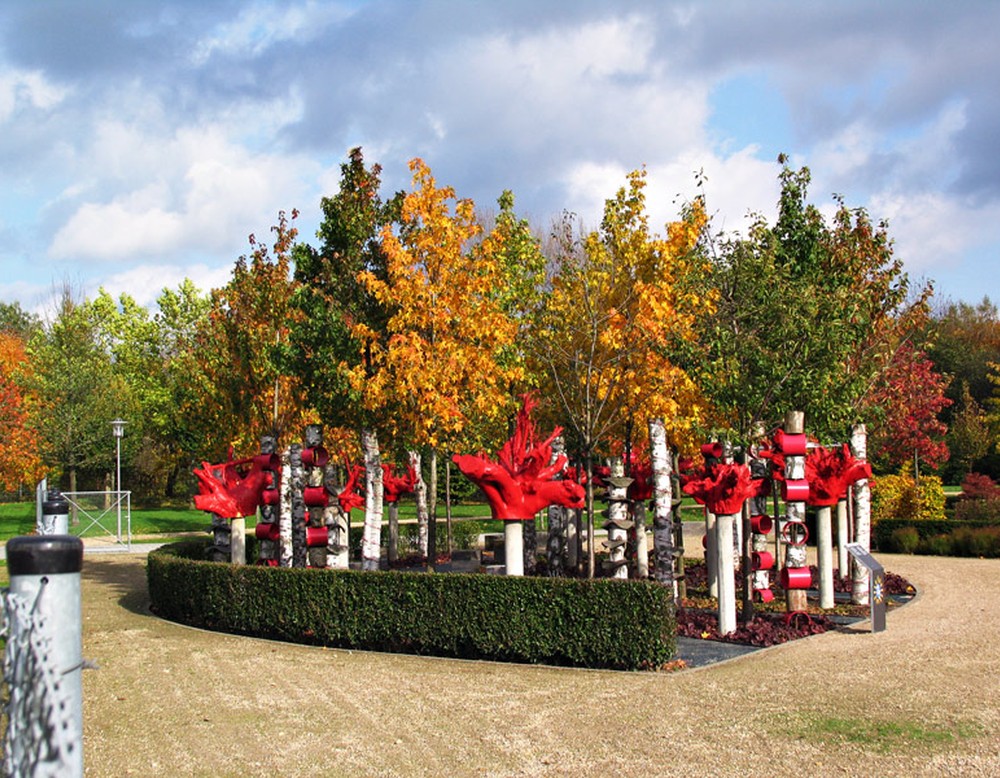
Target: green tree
x=809 y=315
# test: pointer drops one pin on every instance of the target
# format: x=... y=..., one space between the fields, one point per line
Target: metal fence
x=105 y=514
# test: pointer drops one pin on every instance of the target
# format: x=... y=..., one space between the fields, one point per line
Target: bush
x=901 y=497
x=978 y=510
x=936 y=545
x=595 y=623
x=904 y=540
x=976 y=486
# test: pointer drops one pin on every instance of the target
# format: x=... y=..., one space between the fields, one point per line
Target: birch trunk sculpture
x=371 y=540
x=663 y=517
x=862 y=516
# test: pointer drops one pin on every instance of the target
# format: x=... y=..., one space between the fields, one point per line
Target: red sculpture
x=520 y=483
x=830 y=473
x=233 y=490
x=395 y=486
x=349 y=497
x=723 y=488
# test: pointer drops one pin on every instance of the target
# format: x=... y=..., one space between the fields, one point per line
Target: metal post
x=44 y=644
x=118 y=428
x=55 y=515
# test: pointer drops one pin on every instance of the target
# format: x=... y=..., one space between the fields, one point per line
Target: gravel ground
x=917 y=699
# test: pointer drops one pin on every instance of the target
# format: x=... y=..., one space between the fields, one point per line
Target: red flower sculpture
x=830 y=473
x=349 y=497
x=395 y=486
x=520 y=483
x=236 y=490
x=723 y=488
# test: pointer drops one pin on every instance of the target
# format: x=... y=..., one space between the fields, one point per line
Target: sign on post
x=876 y=581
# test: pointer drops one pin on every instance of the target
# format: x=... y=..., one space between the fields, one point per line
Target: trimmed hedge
x=883 y=531
x=627 y=625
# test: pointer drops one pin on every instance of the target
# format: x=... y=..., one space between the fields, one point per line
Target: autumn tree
x=19 y=459
x=622 y=302
x=908 y=397
x=244 y=393
x=439 y=368
x=969 y=437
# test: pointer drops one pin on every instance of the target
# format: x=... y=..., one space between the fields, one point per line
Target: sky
x=142 y=142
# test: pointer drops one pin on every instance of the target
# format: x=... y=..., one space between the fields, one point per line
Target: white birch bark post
x=268 y=512
x=795 y=510
x=298 y=506
x=617 y=520
x=285 y=514
x=842 y=539
x=711 y=558
x=238 y=541
x=824 y=555
x=557 y=519
x=317 y=520
x=392 y=544
x=573 y=539
x=337 y=524
x=420 y=495
x=862 y=516
x=724 y=565
x=371 y=540
x=513 y=547
x=641 y=540
x=663 y=518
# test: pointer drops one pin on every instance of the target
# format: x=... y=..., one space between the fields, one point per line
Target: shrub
x=901 y=497
x=936 y=545
x=589 y=623
x=904 y=540
x=978 y=510
x=976 y=486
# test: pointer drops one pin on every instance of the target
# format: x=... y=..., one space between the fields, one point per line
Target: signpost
x=876 y=588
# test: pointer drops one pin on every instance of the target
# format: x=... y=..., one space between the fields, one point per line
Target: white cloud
x=145 y=282
x=27 y=87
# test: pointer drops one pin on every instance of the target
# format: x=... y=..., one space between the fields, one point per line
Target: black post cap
x=44 y=555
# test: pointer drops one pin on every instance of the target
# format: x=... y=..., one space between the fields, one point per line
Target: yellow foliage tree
x=436 y=374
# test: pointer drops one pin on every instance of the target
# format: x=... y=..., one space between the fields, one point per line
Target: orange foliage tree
x=19 y=459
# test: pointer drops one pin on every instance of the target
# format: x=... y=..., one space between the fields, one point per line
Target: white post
x=726 y=581
x=842 y=538
x=824 y=556
x=118 y=428
x=513 y=547
x=238 y=541
x=711 y=559
x=862 y=516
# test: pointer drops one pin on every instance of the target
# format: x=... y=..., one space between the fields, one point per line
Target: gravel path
x=920 y=698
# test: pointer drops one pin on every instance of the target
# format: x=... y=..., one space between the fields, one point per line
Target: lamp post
x=118 y=428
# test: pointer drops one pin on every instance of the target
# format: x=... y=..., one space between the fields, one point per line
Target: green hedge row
x=883 y=529
x=625 y=625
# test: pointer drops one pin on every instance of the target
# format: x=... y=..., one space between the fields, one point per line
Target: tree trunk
x=432 y=512
x=862 y=516
x=447 y=503
x=420 y=495
x=371 y=540
x=590 y=515
x=269 y=512
x=638 y=508
x=663 y=518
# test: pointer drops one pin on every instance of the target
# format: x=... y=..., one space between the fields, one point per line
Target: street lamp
x=118 y=428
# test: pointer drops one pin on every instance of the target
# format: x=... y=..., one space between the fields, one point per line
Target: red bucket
x=795 y=491
x=762 y=560
x=796 y=578
x=317 y=536
x=764 y=595
x=762 y=525
x=793 y=445
x=315 y=496
x=267 y=531
x=315 y=457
